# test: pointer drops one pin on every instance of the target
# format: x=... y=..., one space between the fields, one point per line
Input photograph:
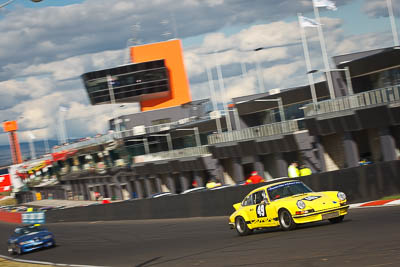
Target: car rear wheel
x=241 y=226
x=286 y=221
x=337 y=219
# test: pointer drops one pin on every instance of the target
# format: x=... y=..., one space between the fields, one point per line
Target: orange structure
x=11 y=127
x=171 y=52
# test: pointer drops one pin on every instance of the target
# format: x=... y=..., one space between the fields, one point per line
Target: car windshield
x=287 y=189
x=27 y=230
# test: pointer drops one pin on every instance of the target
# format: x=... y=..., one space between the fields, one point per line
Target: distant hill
x=40 y=149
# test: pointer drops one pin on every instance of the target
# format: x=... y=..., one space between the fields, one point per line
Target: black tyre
x=286 y=221
x=337 y=219
x=18 y=250
x=241 y=226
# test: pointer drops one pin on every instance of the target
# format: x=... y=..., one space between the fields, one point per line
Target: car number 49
x=261 y=211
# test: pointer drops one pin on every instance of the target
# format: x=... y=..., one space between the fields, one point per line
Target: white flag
x=31 y=135
x=307 y=22
x=325 y=3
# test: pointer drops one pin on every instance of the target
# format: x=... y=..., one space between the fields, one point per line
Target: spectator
x=293 y=171
x=254 y=178
x=212 y=183
x=304 y=170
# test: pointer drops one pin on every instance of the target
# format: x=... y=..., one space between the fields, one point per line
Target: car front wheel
x=286 y=221
x=241 y=226
x=10 y=250
x=19 y=250
x=337 y=219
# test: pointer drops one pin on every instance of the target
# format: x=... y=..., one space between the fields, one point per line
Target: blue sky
x=46 y=46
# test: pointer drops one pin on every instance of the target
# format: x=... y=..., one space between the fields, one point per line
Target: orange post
x=11 y=127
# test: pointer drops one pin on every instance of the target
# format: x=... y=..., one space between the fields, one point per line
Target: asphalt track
x=367 y=237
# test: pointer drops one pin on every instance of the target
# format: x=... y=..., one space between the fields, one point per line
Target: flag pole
x=324 y=53
x=308 y=63
x=393 y=23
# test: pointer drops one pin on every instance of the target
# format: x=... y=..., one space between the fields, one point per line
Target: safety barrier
x=361 y=184
x=10 y=217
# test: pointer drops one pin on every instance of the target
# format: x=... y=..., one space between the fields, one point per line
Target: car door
x=261 y=212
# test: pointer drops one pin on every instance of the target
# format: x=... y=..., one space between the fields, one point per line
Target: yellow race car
x=286 y=203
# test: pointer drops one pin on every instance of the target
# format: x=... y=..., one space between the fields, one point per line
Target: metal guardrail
x=255 y=132
x=349 y=103
x=178 y=153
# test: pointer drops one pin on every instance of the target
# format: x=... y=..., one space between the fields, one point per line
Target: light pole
x=259 y=73
x=10 y=1
x=196 y=133
x=280 y=105
x=169 y=140
x=145 y=144
x=347 y=74
x=235 y=115
x=62 y=128
x=31 y=145
x=112 y=101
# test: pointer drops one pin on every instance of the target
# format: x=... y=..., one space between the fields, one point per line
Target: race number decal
x=261 y=211
x=311 y=198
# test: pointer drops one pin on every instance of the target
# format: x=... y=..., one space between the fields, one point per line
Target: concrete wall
x=363 y=183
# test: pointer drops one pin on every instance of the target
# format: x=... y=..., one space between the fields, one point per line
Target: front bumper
x=321 y=215
x=37 y=245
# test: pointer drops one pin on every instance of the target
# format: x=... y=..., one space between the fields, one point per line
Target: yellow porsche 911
x=286 y=204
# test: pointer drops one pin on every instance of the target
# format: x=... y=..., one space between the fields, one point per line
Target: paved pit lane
x=366 y=237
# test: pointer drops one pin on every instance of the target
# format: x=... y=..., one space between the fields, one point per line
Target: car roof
x=273 y=183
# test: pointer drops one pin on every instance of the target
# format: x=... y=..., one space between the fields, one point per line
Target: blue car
x=28 y=238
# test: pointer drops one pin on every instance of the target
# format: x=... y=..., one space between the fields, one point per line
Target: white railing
x=278 y=128
x=88 y=142
x=348 y=103
x=178 y=153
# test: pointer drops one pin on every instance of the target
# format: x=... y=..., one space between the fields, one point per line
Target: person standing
x=254 y=178
x=293 y=171
x=304 y=170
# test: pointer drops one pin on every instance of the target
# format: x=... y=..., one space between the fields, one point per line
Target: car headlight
x=47 y=237
x=300 y=204
x=26 y=242
x=341 y=196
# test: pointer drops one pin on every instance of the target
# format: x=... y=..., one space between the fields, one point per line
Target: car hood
x=314 y=200
x=29 y=236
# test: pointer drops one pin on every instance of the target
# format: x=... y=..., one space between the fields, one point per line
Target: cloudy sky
x=45 y=47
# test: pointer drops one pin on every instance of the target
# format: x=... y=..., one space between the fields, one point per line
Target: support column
x=199 y=177
x=101 y=190
x=171 y=183
x=139 y=188
x=219 y=172
x=117 y=187
x=351 y=152
x=258 y=166
x=321 y=154
x=184 y=179
x=158 y=183
x=237 y=168
x=129 y=186
x=148 y=187
x=388 y=144
x=281 y=165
